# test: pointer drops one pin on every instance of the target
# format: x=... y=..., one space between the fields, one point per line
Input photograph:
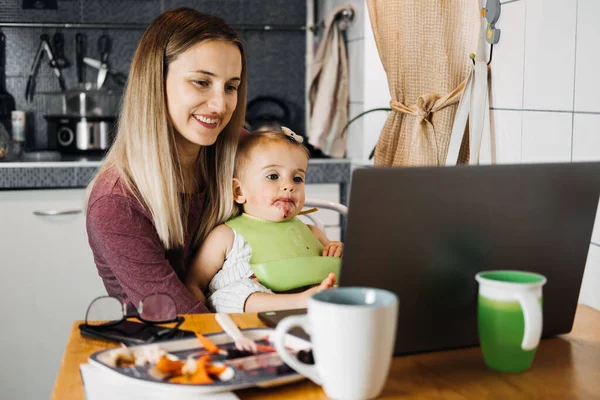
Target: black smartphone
x=133 y=333
x=272 y=318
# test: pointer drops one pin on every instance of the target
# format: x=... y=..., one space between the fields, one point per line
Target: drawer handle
x=51 y=213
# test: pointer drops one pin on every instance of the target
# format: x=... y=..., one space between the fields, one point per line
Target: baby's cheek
x=266 y=198
x=257 y=199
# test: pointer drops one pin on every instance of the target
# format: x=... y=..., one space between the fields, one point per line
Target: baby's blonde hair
x=251 y=140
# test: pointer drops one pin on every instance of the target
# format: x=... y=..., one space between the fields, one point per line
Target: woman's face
x=201 y=87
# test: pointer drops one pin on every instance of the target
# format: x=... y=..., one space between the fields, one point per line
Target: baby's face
x=273 y=181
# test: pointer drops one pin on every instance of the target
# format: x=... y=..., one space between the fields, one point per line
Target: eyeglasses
x=106 y=312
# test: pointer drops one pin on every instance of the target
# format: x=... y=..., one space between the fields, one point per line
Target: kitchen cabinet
x=48 y=278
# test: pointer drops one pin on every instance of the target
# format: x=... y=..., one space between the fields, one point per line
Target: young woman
x=166 y=182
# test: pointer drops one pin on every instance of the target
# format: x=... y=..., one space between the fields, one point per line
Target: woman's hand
x=333 y=249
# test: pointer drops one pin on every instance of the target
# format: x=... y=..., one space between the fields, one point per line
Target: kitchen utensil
x=102 y=65
x=43 y=47
x=241 y=341
x=84 y=101
x=79 y=135
x=18 y=119
x=7 y=102
x=4 y=143
x=85 y=131
x=118 y=77
x=80 y=49
x=58 y=43
x=104 y=49
x=102 y=134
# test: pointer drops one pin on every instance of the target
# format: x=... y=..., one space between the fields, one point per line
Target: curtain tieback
x=425 y=105
x=429 y=103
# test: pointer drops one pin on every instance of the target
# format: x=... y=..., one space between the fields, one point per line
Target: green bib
x=285 y=255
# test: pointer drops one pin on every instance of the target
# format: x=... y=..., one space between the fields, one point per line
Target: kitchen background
x=544 y=104
x=276 y=58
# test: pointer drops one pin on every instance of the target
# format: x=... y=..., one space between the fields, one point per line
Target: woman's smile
x=207 y=122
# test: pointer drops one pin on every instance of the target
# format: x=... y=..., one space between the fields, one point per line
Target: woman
x=166 y=181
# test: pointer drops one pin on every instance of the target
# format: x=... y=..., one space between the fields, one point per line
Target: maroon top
x=128 y=253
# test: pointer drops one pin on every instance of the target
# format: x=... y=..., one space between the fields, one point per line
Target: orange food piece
x=170 y=367
x=207 y=343
x=180 y=379
x=201 y=374
x=215 y=370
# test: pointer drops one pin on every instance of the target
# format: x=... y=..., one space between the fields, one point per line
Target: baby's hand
x=327 y=283
x=333 y=249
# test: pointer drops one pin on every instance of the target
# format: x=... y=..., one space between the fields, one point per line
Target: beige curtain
x=424 y=46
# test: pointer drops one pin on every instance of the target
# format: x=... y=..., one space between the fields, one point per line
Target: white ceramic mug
x=353 y=332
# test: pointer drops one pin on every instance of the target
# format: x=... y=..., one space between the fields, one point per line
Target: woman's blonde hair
x=144 y=151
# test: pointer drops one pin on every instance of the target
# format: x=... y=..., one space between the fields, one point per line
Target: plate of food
x=207 y=364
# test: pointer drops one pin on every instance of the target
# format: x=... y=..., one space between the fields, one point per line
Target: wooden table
x=566 y=367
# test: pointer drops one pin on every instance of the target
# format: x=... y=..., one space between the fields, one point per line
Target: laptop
x=423 y=233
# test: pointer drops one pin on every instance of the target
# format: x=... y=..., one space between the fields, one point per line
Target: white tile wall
x=549 y=54
x=357 y=28
x=356 y=67
x=373 y=124
x=596 y=232
x=546 y=137
x=376 y=90
x=587 y=77
x=586 y=137
x=506 y=131
x=355 y=133
x=586 y=147
x=325 y=7
x=591 y=279
x=508 y=58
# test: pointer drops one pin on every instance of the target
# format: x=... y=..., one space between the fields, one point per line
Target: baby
x=267 y=245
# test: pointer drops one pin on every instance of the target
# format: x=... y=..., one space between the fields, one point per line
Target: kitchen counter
x=77 y=172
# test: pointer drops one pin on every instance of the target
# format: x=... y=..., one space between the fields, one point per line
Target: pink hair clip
x=290 y=134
